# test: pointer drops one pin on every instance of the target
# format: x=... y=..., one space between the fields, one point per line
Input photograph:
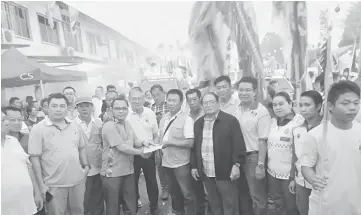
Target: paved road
x=164 y=206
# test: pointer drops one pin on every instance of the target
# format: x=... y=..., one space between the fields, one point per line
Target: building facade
x=58 y=35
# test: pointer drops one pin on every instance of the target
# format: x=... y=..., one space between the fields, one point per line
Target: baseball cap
x=83 y=99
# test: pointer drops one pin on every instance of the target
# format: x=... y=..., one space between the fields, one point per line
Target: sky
x=150 y=23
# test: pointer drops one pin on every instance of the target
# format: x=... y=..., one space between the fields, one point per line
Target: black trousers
x=93 y=197
x=149 y=171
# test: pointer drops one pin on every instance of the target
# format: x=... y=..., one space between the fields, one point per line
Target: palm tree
x=352 y=23
x=213 y=28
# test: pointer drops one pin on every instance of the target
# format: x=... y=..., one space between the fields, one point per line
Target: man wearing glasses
x=15 y=117
x=145 y=126
x=119 y=147
x=217 y=155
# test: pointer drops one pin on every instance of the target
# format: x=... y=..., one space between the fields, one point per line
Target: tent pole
x=42 y=89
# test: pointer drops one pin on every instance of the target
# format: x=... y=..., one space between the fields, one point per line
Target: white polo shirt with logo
x=255 y=124
x=145 y=125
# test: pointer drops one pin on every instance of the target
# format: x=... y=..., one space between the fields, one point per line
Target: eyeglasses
x=209 y=103
x=120 y=109
x=248 y=90
x=14 y=120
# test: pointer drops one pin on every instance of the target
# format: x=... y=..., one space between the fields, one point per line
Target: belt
x=251 y=153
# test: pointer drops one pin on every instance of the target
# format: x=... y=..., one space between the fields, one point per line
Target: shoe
x=164 y=196
x=139 y=203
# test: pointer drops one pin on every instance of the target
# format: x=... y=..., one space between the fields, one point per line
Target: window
x=48 y=34
x=73 y=40
x=15 y=18
x=92 y=42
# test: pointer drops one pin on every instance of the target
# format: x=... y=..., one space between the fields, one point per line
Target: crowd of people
x=223 y=152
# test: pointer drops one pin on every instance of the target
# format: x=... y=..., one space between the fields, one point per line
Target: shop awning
x=17 y=70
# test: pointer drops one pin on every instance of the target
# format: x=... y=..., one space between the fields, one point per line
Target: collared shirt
x=255 y=124
x=16 y=185
x=87 y=128
x=94 y=146
x=174 y=157
x=145 y=125
x=115 y=163
x=200 y=114
x=231 y=106
x=187 y=129
x=58 y=151
x=207 y=147
x=280 y=147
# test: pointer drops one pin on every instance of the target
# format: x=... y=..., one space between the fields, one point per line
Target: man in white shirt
x=20 y=194
x=98 y=101
x=331 y=161
x=70 y=94
x=255 y=122
x=223 y=86
x=144 y=124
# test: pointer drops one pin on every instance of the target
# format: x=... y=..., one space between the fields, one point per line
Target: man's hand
x=260 y=172
x=195 y=174
x=166 y=144
x=292 y=187
x=43 y=189
x=319 y=183
x=86 y=169
x=145 y=155
x=147 y=143
x=235 y=173
x=39 y=200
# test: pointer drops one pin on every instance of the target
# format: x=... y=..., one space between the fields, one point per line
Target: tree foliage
x=352 y=22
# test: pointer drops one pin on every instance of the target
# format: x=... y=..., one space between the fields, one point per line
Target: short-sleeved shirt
x=187 y=129
x=58 y=150
x=255 y=124
x=17 y=196
x=338 y=158
x=144 y=125
x=188 y=133
x=231 y=106
x=114 y=162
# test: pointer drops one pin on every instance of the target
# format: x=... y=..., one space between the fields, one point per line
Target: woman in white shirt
x=20 y=194
x=310 y=106
x=280 y=146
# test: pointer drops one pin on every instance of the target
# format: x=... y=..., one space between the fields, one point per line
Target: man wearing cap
x=93 y=197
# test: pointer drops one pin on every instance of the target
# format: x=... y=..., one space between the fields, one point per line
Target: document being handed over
x=152 y=148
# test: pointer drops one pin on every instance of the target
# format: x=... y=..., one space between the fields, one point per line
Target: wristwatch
x=260 y=165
